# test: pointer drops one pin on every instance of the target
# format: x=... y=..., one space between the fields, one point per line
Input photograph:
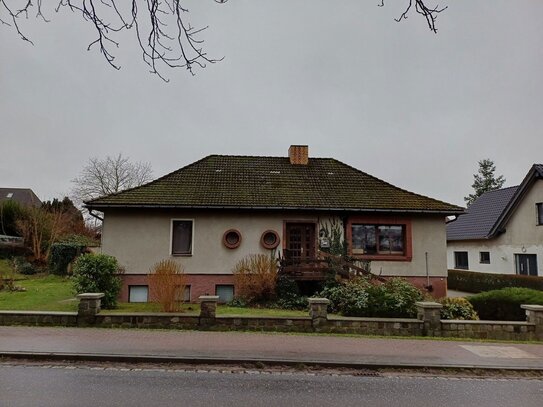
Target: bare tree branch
x=429 y=13
x=106 y=176
x=165 y=38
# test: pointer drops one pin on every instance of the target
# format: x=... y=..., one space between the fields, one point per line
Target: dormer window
x=539 y=207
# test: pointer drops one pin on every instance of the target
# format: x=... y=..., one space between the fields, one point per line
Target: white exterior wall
x=139 y=239
x=522 y=236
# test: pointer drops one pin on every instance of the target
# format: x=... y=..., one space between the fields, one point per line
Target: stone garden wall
x=427 y=323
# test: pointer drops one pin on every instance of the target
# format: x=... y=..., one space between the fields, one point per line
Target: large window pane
x=182 y=237
x=225 y=292
x=138 y=293
x=378 y=239
x=364 y=239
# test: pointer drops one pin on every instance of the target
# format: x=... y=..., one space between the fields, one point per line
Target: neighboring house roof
x=221 y=181
x=488 y=215
x=23 y=196
x=481 y=215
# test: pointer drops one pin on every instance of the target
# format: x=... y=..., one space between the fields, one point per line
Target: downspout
x=428 y=285
x=95 y=216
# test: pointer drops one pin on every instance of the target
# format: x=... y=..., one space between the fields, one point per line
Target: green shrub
x=23 y=266
x=457 y=308
x=288 y=294
x=362 y=297
x=504 y=304
x=98 y=273
x=62 y=254
x=476 y=282
x=395 y=298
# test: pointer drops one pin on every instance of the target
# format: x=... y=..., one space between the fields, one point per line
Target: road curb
x=199 y=360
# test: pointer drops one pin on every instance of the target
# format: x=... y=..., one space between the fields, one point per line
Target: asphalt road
x=69 y=385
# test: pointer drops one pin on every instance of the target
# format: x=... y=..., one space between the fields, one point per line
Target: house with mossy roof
x=212 y=213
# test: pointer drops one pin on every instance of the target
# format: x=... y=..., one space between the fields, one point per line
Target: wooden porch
x=319 y=268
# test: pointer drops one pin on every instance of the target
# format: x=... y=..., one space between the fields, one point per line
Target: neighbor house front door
x=300 y=241
x=526 y=264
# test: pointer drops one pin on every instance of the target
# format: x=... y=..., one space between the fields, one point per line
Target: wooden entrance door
x=300 y=241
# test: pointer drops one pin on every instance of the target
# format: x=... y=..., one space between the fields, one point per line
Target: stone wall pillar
x=208 y=309
x=534 y=315
x=318 y=311
x=429 y=313
x=89 y=307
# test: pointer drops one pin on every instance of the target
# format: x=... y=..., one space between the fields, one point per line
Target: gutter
x=140 y=206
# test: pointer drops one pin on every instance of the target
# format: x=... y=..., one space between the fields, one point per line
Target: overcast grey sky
x=392 y=99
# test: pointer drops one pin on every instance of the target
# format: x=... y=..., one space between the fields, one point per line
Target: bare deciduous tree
x=106 y=176
x=165 y=37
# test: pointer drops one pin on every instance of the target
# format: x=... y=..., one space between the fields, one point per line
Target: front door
x=526 y=264
x=300 y=241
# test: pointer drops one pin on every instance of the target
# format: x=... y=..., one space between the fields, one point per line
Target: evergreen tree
x=484 y=180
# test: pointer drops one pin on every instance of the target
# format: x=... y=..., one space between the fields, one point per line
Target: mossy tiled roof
x=220 y=181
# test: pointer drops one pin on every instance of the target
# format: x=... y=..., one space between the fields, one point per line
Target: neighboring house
x=212 y=213
x=502 y=231
x=23 y=196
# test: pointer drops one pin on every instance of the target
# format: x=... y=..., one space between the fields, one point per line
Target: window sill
x=181 y=254
x=383 y=257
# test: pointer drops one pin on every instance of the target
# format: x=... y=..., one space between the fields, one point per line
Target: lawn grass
x=54 y=293
x=43 y=293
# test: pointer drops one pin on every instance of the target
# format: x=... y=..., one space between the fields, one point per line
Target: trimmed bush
x=62 y=254
x=98 y=273
x=476 y=282
x=457 y=308
x=504 y=304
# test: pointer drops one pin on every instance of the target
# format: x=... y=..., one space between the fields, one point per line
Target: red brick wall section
x=200 y=284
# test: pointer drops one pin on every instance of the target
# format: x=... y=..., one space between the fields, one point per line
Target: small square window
x=539 y=207
x=484 y=257
x=138 y=293
x=225 y=292
x=181 y=237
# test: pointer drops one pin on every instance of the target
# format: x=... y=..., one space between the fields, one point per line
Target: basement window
x=138 y=293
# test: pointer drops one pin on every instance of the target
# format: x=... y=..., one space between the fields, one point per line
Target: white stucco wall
x=139 y=239
x=522 y=236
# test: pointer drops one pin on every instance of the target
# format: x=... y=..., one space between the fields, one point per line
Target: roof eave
x=253 y=207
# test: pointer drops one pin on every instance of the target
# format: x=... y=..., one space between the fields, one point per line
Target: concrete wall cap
x=531 y=307
x=319 y=301
x=428 y=304
x=208 y=298
x=90 y=296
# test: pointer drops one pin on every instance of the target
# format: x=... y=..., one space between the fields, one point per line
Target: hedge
x=504 y=304
x=476 y=282
x=62 y=254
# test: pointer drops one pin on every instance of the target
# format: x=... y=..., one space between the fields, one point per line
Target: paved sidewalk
x=198 y=346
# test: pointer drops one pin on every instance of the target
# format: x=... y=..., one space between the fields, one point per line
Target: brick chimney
x=299 y=155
